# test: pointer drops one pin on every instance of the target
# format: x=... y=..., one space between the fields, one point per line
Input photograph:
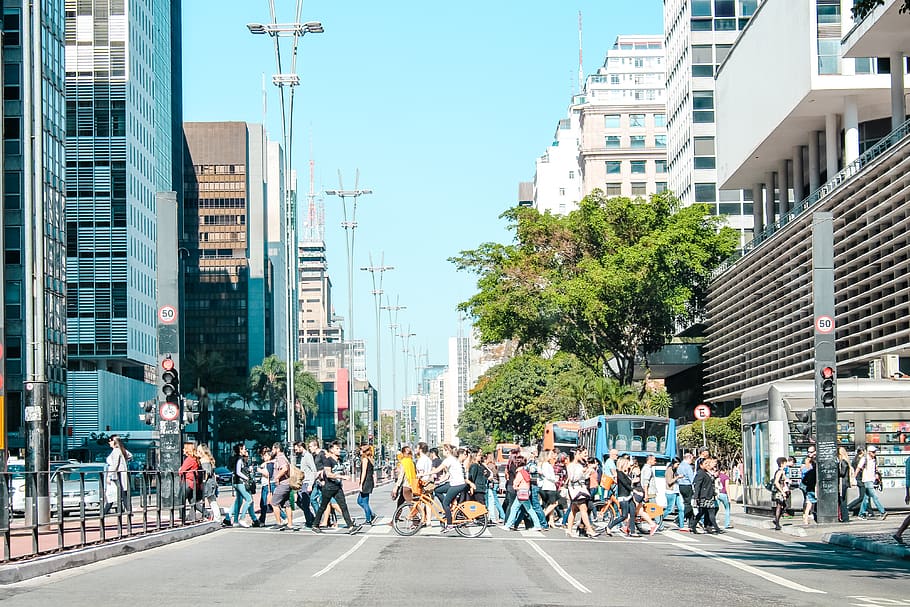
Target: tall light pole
x=393 y=327
x=377 y=296
x=349 y=227
x=286 y=83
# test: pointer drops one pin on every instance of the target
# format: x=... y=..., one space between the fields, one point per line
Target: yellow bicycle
x=468 y=518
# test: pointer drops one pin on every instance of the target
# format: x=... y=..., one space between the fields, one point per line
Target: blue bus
x=637 y=435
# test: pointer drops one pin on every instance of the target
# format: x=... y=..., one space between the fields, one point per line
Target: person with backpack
x=868 y=469
x=281 y=497
x=307 y=465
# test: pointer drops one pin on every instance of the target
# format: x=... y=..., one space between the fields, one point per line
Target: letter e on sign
x=824 y=324
x=167 y=315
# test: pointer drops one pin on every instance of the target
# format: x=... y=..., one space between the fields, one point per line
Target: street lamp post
x=286 y=83
x=393 y=326
x=406 y=337
x=377 y=296
x=349 y=227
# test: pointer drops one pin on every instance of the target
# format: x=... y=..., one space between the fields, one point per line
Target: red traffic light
x=827 y=373
x=167 y=364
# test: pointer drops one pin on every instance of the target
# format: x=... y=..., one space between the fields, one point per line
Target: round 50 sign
x=167 y=315
x=824 y=324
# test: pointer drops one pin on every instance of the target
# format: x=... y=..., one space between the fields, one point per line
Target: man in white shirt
x=868 y=467
x=424 y=467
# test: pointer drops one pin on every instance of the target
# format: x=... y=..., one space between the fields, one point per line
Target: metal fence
x=71 y=513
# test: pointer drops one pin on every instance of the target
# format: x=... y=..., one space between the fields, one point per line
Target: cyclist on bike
x=456 y=482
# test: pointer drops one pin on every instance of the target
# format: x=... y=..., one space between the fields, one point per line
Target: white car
x=74 y=492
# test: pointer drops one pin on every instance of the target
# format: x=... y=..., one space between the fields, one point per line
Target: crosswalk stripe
x=763 y=538
x=380 y=530
x=731 y=540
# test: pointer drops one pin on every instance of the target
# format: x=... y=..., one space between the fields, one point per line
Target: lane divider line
x=342 y=557
x=775 y=579
x=562 y=572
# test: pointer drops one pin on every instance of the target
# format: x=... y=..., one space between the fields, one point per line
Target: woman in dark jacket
x=705 y=497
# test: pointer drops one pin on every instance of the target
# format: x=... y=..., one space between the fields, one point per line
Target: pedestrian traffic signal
x=190 y=411
x=827 y=386
x=171 y=386
x=149 y=414
x=804 y=424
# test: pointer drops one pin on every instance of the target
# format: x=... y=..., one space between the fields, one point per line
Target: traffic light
x=804 y=425
x=827 y=386
x=149 y=414
x=190 y=411
x=171 y=387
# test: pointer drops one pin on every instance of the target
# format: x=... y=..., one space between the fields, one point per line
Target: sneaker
x=280 y=528
x=256 y=524
x=884 y=515
x=373 y=520
x=227 y=523
x=316 y=529
x=243 y=524
x=354 y=529
x=293 y=528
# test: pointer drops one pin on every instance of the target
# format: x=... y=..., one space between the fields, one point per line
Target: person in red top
x=189 y=479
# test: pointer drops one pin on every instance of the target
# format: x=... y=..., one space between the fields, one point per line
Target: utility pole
x=406 y=337
x=377 y=296
x=393 y=326
x=825 y=366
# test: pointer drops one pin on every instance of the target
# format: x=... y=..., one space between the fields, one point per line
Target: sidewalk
x=873 y=536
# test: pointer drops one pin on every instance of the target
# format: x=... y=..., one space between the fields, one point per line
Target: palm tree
x=306 y=388
x=580 y=392
x=614 y=397
x=268 y=382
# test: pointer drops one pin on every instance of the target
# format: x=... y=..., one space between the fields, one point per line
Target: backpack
x=295 y=477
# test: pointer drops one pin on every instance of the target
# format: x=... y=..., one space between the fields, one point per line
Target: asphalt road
x=376 y=567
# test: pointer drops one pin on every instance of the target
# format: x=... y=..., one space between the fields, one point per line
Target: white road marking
x=679 y=536
x=731 y=540
x=764 y=538
x=531 y=534
x=342 y=557
x=379 y=530
x=775 y=579
x=562 y=572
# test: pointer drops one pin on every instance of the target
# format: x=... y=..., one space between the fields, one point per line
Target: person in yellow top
x=406 y=475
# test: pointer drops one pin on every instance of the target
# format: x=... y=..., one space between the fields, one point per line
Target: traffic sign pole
x=825 y=359
x=703 y=412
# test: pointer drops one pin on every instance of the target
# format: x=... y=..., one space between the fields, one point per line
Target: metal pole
x=377 y=296
x=393 y=325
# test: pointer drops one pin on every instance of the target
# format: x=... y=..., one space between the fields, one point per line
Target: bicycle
x=609 y=510
x=468 y=518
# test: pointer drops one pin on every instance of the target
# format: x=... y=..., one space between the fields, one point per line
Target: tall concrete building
x=228 y=290
x=123 y=141
x=698 y=37
x=614 y=135
x=834 y=126
x=33 y=323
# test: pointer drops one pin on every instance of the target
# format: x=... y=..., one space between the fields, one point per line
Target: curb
x=18 y=572
x=847 y=540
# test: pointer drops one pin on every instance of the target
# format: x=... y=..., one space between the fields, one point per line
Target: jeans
x=493 y=504
x=336 y=493
x=242 y=496
x=447 y=501
x=525 y=505
x=855 y=504
x=724 y=499
x=674 y=500
x=842 y=512
x=535 y=504
x=303 y=502
x=363 y=500
x=686 y=492
x=871 y=497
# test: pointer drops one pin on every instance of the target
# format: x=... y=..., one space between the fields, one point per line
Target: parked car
x=223 y=475
x=74 y=492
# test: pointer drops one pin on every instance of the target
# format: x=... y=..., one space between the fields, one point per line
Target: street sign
x=169 y=411
x=167 y=315
x=824 y=324
x=702 y=412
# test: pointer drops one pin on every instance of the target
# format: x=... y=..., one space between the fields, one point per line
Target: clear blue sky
x=443 y=106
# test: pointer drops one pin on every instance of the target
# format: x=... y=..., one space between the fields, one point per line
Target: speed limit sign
x=167 y=315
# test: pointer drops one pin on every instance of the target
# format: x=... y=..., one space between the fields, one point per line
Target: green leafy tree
x=861 y=8
x=615 y=398
x=609 y=282
x=268 y=382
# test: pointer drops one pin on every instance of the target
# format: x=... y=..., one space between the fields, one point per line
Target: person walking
x=209 y=482
x=494 y=506
x=549 y=496
x=722 y=484
x=854 y=506
x=899 y=534
x=367 y=482
x=189 y=473
x=281 y=494
x=780 y=491
x=686 y=473
x=478 y=478
x=332 y=489
x=522 y=501
x=809 y=481
x=674 y=499
x=307 y=465
x=845 y=480
x=578 y=474
x=118 y=477
x=705 y=496
x=240 y=477
x=868 y=469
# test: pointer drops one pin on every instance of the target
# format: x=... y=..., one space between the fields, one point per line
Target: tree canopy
x=608 y=283
x=861 y=8
x=724 y=435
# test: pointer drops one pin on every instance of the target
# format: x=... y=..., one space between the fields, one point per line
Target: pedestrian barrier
x=49 y=512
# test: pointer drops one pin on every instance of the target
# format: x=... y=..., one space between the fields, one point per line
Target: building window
x=636 y=120
x=705 y=192
x=614 y=78
x=12 y=243
x=613 y=189
x=611 y=121
x=571 y=174
x=12 y=133
x=562 y=191
x=660 y=166
x=660 y=141
x=728 y=208
x=722 y=51
x=614 y=167
x=829 y=56
x=703 y=106
x=637 y=141
x=639 y=188
x=661 y=186
x=747 y=7
x=724 y=8
x=12 y=28
x=612 y=142
x=12 y=298
x=701 y=8
x=638 y=167
x=12 y=190
x=639 y=62
x=704 y=153
x=660 y=120
x=828 y=11
x=12 y=81
x=725 y=25
x=701 y=25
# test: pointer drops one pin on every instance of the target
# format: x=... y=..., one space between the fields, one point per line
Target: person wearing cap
x=868 y=468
